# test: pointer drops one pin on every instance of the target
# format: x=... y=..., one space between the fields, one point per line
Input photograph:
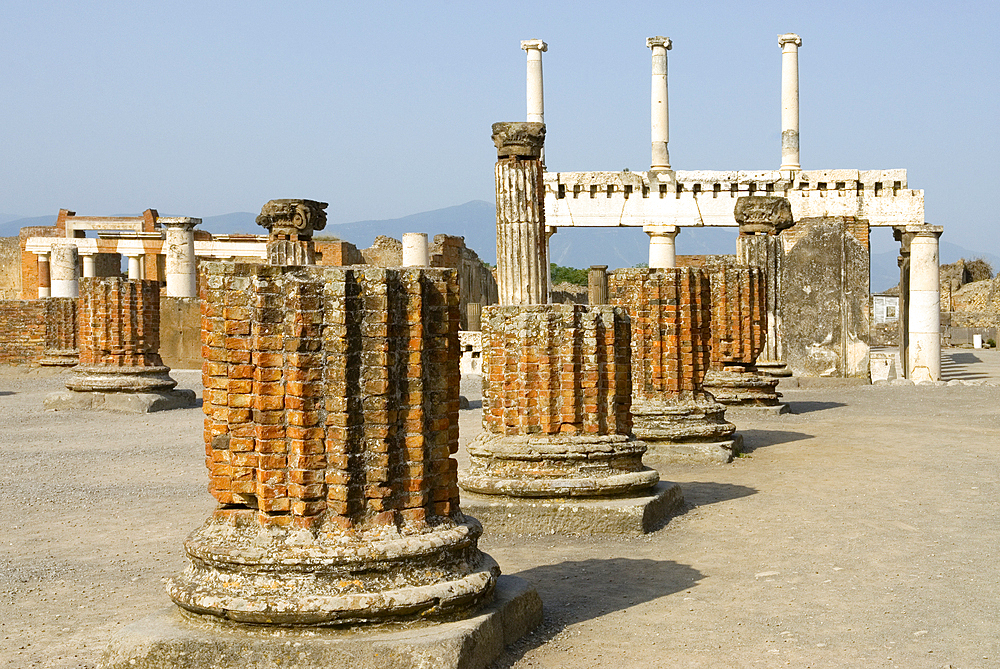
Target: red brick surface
x=119 y=322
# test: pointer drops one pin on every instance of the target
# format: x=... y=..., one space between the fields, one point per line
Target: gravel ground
x=859 y=531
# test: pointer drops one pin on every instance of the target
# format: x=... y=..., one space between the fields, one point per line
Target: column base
x=110 y=378
x=56 y=357
x=774 y=368
x=173 y=637
x=688 y=430
x=556 y=466
x=633 y=515
x=742 y=387
x=137 y=403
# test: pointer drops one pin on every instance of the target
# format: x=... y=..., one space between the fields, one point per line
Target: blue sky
x=383 y=109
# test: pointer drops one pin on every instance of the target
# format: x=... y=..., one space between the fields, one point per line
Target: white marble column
x=63 y=271
x=181 y=263
x=659 y=117
x=415 y=252
x=662 y=251
x=89 y=265
x=135 y=267
x=790 y=44
x=44 y=282
x=536 y=98
x=924 y=351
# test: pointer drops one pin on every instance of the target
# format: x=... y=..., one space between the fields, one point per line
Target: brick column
x=44 y=280
x=119 y=338
x=331 y=402
x=671 y=315
x=739 y=319
x=60 y=333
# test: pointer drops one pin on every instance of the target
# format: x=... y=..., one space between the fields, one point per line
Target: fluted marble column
x=522 y=241
x=924 y=351
x=790 y=43
x=597 y=285
x=659 y=112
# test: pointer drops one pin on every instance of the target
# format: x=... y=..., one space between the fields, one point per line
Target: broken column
x=181 y=263
x=597 y=285
x=415 y=252
x=64 y=271
x=557 y=453
x=672 y=412
x=924 y=304
x=739 y=318
x=790 y=43
x=119 y=342
x=290 y=225
x=761 y=219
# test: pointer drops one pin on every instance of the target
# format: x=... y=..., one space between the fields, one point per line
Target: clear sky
x=383 y=109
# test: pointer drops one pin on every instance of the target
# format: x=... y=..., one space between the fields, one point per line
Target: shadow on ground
x=754 y=439
x=700 y=493
x=809 y=407
x=4 y=393
x=575 y=591
x=953 y=366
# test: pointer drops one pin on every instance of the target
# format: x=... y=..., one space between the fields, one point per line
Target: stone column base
x=110 y=378
x=736 y=386
x=690 y=430
x=556 y=466
x=175 y=638
x=637 y=514
x=774 y=368
x=163 y=400
x=60 y=357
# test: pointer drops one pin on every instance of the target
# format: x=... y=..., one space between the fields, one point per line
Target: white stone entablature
x=707 y=198
x=142 y=243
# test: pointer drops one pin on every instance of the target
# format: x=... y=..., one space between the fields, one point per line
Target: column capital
x=661 y=230
x=182 y=222
x=528 y=44
x=653 y=42
x=789 y=38
x=921 y=230
x=519 y=138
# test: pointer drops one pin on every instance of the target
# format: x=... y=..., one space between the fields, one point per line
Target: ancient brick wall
x=671 y=339
x=556 y=369
x=338 y=253
x=22 y=331
x=331 y=394
x=29 y=261
x=119 y=322
x=60 y=323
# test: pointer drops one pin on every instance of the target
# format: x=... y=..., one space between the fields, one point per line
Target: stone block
x=137 y=403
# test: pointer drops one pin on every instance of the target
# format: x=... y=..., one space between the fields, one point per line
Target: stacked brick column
x=331 y=402
x=671 y=342
x=556 y=392
x=119 y=337
x=60 y=332
x=739 y=319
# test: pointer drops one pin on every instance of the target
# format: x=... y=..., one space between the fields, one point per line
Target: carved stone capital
x=759 y=214
x=293 y=217
x=659 y=41
x=519 y=138
x=534 y=44
x=789 y=38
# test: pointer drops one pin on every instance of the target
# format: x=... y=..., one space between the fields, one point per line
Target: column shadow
x=754 y=439
x=579 y=590
x=808 y=407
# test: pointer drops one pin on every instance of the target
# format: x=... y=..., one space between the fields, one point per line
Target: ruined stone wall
x=10 y=268
x=119 y=322
x=671 y=316
x=338 y=253
x=556 y=369
x=22 y=331
x=180 y=332
x=331 y=394
x=384 y=252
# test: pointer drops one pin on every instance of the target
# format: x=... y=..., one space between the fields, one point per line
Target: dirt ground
x=861 y=530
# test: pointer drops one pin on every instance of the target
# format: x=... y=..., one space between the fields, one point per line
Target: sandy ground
x=860 y=531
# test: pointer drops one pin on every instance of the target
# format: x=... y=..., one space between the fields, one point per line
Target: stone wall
x=330 y=393
x=22 y=331
x=10 y=268
x=180 y=332
x=384 y=252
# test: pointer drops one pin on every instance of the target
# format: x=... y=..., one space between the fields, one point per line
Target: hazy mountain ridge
x=571 y=247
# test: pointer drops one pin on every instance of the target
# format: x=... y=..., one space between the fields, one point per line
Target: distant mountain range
x=577 y=247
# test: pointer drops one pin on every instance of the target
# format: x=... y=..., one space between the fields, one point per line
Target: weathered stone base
x=60 y=358
x=735 y=386
x=109 y=378
x=582 y=516
x=175 y=639
x=774 y=368
x=121 y=402
x=685 y=430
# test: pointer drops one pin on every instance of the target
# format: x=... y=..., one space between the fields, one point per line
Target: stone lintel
x=922 y=230
x=175 y=638
x=633 y=515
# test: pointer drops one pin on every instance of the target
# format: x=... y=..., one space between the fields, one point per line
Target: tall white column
x=662 y=251
x=790 y=44
x=659 y=118
x=63 y=271
x=924 y=351
x=89 y=265
x=415 y=252
x=181 y=263
x=134 y=267
x=536 y=98
x=44 y=285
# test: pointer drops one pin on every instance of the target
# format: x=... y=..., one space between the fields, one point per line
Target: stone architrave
x=290 y=225
x=761 y=220
x=118 y=337
x=331 y=403
x=672 y=412
x=738 y=329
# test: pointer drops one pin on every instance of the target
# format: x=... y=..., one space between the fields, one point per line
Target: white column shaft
x=925 y=310
x=662 y=249
x=181 y=262
x=789 y=101
x=535 y=92
x=415 y=252
x=64 y=272
x=89 y=265
x=134 y=268
x=659 y=109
